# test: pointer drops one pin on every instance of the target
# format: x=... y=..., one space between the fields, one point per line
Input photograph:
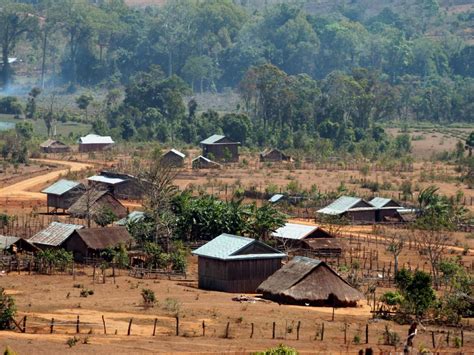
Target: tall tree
x=16 y=20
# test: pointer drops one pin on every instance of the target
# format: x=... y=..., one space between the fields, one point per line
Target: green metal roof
x=341 y=205
x=215 y=138
x=228 y=246
x=61 y=187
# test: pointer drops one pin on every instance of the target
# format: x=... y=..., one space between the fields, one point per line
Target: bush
x=72 y=341
x=11 y=105
x=390 y=337
x=7 y=310
x=279 y=350
x=149 y=297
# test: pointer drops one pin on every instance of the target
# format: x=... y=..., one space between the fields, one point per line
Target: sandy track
x=25 y=190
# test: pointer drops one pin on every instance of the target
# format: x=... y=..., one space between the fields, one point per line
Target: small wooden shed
x=93 y=202
x=353 y=208
x=274 y=155
x=54 y=146
x=221 y=149
x=204 y=163
x=95 y=143
x=236 y=264
x=62 y=194
x=53 y=235
x=312 y=240
x=173 y=158
x=16 y=245
x=306 y=281
x=386 y=209
x=91 y=242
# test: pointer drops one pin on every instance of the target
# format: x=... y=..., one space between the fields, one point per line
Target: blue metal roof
x=294 y=231
x=341 y=205
x=6 y=241
x=276 y=198
x=215 y=138
x=61 y=187
x=228 y=246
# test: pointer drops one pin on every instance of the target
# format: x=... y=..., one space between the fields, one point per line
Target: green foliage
x=149 y=297
x=7 y=310
x=11 y=105
x=416 y=291
x=279 y=350
x=55 y=258
x=105 y=216
x=392 y=298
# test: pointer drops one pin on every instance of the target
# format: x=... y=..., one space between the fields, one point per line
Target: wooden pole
x=447 y=339
x=433 y=339
x=103 y=323
x=177 y=325
x=367 y=333
x=333 y=309
x=203 y=328
x=154 y=326
x=298 y=330
x=227 y=330
x=77 y=325
x=345 y=333
x=129 y=327
x=51 y=330
x=273 y=330
x=24 y=325
x=322 y=332
x=462 y=337
x=251 y=333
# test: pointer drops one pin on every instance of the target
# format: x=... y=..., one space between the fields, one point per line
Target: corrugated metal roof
x=276 y=198
x=341 y=205
x=379 y=202
x=177 y=152
x=134 y=216
x=61 y=187
x=96 y=139
x=55 y=234
x=294 y=231
x=227 y=247
x=215 y=138
x=105 y=179
x=204 y=158
x=6 y=241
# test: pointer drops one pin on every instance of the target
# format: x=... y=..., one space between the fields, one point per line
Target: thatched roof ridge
x=305 y=280
x=102 y=238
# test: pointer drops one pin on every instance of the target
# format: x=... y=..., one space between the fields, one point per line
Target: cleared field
x=41 y=298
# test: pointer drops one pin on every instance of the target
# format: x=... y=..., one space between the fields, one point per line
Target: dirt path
x=25 y=190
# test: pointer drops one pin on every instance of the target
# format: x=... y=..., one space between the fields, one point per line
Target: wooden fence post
x=251 y=333
x=203 y=328
x=52 y=326
x=322 y=332
x=273 y=331
x=24 y=325
x=154 y=326
x=227 y=330
x=367 y=333
x=177 y=325
x=462 y=337
x=298 y=330
x=103 y=323
x=447 y=339
x=433 y=339
x=77 y=325
x=345 y=333
x=129 y=327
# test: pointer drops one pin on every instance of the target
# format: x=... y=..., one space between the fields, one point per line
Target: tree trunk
x=43 y=61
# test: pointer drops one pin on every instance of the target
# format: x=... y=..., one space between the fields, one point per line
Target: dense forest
x=312 y=77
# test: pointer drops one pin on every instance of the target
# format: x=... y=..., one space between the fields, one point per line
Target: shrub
x=390 y=337
x=149 y=297
x=7 y=310
x=356 y=339
x=11 y=105
x=279 y=350
x=72 y=341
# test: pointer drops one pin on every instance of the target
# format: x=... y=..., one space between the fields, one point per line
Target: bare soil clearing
x=44 y=297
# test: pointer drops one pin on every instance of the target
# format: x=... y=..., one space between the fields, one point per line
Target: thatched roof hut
x=94 y=202
x=311 y=282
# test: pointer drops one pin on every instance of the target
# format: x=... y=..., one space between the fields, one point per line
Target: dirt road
x=28 y=189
